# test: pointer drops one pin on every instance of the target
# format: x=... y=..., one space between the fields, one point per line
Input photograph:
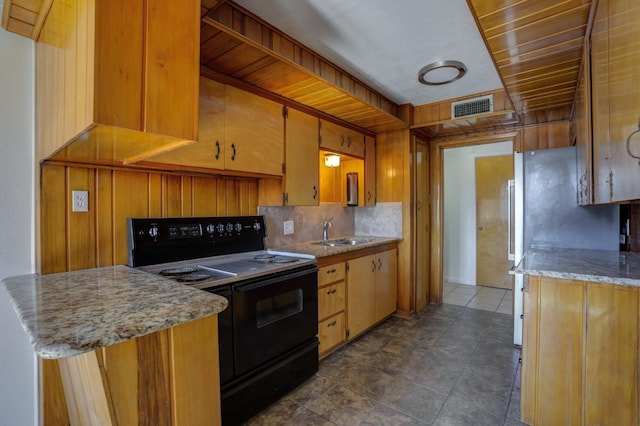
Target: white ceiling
x=385 y=43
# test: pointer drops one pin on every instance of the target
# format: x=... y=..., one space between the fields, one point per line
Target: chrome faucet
x=325 y=229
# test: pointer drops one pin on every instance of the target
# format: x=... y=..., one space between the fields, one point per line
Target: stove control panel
x=159 y=239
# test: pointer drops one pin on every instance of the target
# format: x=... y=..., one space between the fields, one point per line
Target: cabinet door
x=330 y=333
x=624 y=97
x=370 y=171
x=330 y=300
x=330 y=274
x=334 y=137
x=301 y=159
x=559 y=348
x=386 y=283
x=172 y=67
x=208 y=152
x=611 y=372
x=600 y=104
x=582 y=125
x=254 y=133
x=529 y=350
x=361 y=294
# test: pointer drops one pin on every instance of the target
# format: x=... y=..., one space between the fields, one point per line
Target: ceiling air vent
x=475 y=106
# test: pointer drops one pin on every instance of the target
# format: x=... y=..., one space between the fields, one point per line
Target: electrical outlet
x=288 y=227
x=80 y=201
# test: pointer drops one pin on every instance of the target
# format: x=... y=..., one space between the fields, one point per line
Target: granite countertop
x=71 y=313
x=319 y=250
x=613 y=267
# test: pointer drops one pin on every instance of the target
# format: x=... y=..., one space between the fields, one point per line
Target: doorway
x=460 y=228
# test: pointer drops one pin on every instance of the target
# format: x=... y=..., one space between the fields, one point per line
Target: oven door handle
x=250 y=286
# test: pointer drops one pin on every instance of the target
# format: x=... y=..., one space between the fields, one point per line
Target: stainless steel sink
x=342 y=242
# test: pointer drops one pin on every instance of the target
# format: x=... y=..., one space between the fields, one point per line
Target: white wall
x=459 y=245
x=17 y=359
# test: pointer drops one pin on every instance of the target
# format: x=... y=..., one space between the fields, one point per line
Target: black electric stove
x=267 y=335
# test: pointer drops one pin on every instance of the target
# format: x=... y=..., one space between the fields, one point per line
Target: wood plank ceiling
x=536 y=46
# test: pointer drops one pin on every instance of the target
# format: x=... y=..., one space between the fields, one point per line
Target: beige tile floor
x=478 y=297
x=446 y=365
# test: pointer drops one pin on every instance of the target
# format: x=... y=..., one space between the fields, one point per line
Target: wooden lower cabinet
x=371 y=290
x=170 y=377
x=355 y=293
x=331 y=304
x=331 y=333
x=580 y=353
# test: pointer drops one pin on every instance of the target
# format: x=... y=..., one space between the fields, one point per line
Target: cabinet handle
x=373 y=266
x=637 y=157
x=419 y=205
x=379 y=264
x=332 y=324
x=342 y=137
x=348 y=141
x=334 y=291
x=217 y=150
x=315 y=192
x=233 y=156
x=331 y=271
x=368 y=195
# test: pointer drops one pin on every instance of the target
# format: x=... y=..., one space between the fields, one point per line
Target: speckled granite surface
x=319 y=251
x=71 y=313
x=612 y=267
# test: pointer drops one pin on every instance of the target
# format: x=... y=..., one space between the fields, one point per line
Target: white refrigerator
x=544 y=210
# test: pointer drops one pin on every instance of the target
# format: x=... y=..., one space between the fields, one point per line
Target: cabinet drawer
x=331 y=332
x=330 y=300
x=331 y=273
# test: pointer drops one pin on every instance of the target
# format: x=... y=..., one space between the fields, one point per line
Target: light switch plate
x=80 y=201
x=288 y=227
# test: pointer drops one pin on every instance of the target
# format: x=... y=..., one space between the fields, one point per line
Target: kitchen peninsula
x=131 y=346
x=580 y=336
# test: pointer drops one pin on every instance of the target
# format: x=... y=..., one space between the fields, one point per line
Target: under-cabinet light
x=332 y=160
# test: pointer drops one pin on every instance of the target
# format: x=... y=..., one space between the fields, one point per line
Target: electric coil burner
x=267 y=336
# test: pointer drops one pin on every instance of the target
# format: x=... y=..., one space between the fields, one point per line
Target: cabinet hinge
x=284 y=168
x=285 y=198
x=285 y=112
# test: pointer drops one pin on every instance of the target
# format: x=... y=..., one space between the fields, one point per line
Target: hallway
x=447 y=365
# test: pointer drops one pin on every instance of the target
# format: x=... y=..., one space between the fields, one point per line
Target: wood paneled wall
x=544 y=136
x=75 y=240
x=393 y=184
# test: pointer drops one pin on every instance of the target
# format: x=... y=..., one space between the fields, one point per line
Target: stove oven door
x=273 y=315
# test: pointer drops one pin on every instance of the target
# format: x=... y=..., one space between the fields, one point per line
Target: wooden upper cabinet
x=334 y=137
x=120 y=76
x=582 y=127
x=238 y=131
x=254 y=133
x=301 y=159
x=208 y=152
x=615 y=100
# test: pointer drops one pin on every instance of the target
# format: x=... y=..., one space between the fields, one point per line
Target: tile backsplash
x=385 y=219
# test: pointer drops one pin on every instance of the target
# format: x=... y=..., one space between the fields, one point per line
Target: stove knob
x=220 y=228
x=211 y=228
x=238 y=227
x=229 y=227
x=257 y=226
x=153 y=231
